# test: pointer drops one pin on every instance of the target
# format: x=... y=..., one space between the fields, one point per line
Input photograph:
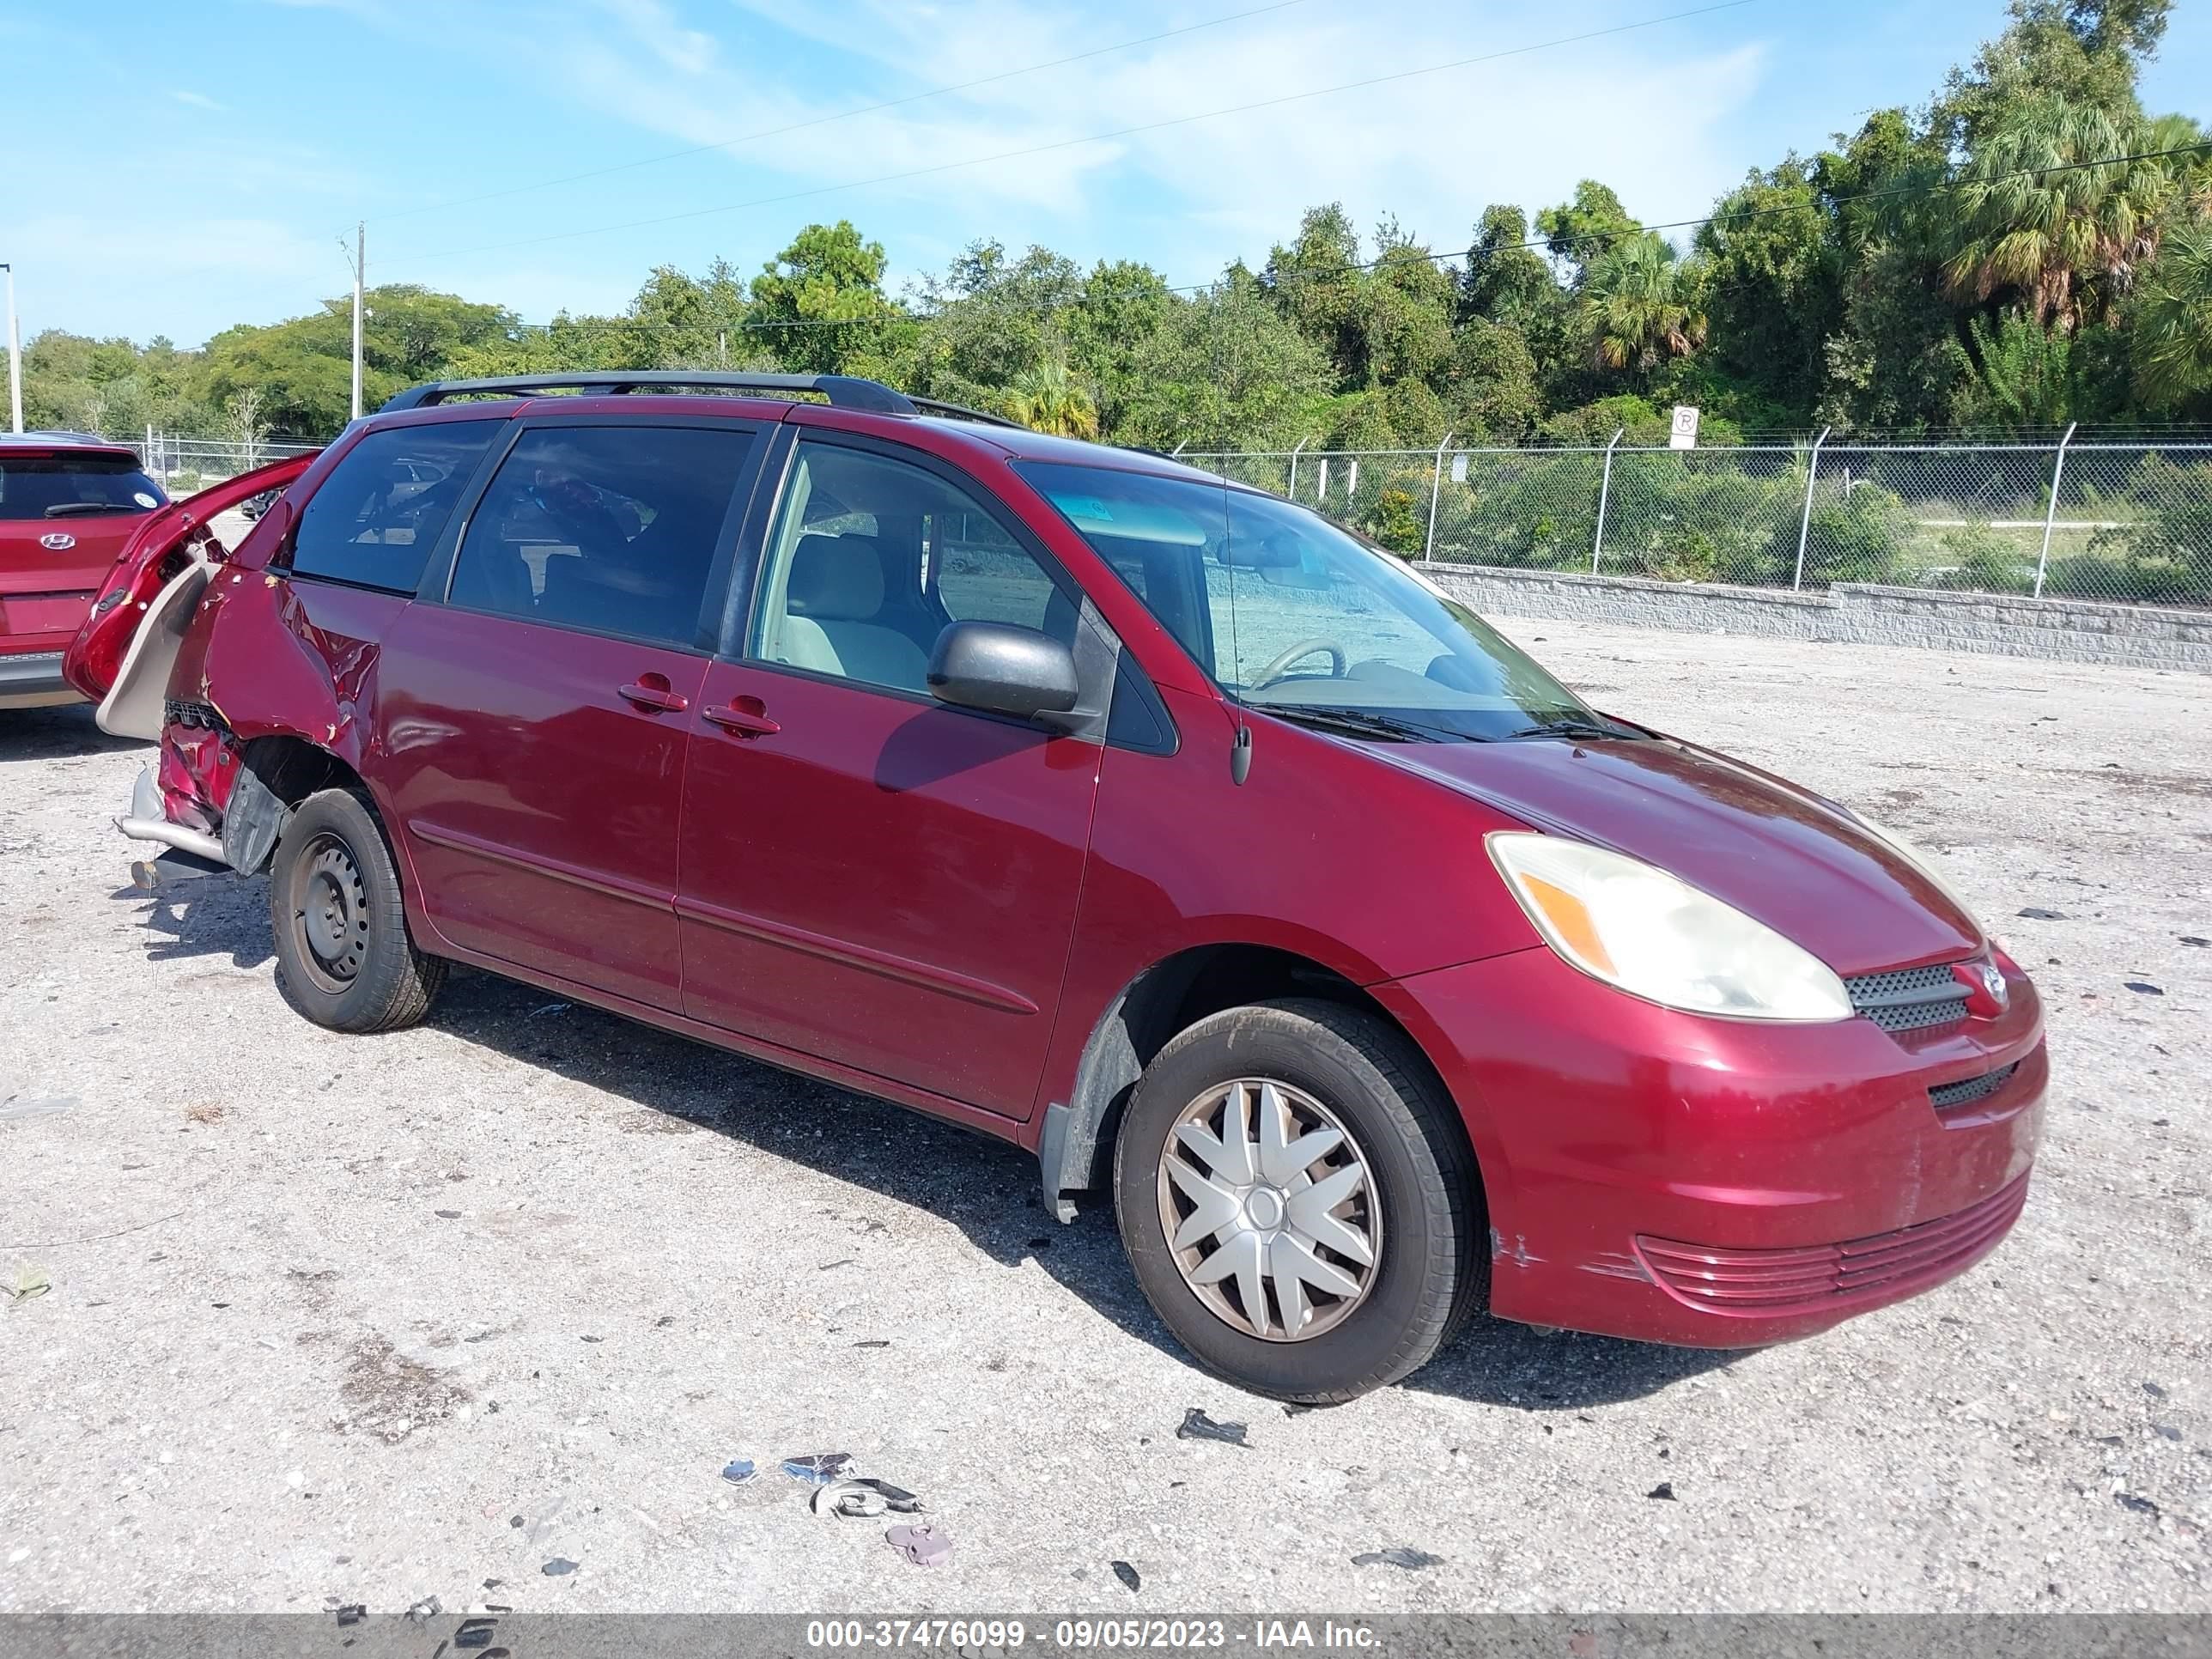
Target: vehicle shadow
x=986 y=1187
x=57 y=733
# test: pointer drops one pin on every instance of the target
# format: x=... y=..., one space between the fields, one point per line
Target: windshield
x=1288 y=613
x=61 y=484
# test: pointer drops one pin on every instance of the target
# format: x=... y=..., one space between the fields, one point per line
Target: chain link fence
x=2123 y=523
x=184 y=466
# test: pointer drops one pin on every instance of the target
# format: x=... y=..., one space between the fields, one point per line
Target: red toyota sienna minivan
x=1147 y=821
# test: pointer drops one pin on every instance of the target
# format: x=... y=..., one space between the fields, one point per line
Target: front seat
x=831 y=604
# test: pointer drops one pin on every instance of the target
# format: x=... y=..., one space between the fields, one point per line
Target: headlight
x=1920 y=861
x=1657 y=937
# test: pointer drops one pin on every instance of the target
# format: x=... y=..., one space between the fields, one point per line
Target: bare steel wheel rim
x=1270 y=1210
x=330 y=913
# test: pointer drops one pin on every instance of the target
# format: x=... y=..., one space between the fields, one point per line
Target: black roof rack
x=843 y=391
x=962 y=412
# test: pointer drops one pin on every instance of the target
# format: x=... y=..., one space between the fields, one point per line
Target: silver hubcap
x=1269 y=1210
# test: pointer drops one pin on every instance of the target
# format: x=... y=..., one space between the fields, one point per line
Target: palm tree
x=1049 y=398
x=2171 y=336
x=2040 y=207
x=1637 y=308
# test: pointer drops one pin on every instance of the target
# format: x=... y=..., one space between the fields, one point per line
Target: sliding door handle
x=746 y=718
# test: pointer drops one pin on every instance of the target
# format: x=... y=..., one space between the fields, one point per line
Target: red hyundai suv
x=68 y=503
x=1064 y=791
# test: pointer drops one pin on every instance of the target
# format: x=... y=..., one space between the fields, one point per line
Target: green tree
x=1773 y=284
x=1580 y=231
x=1050 y=398
x=820 y=307
x=2041 y=216
x=2172 y=334
x=1639 y=309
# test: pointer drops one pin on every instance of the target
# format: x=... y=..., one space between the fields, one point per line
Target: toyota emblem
x=57 y=541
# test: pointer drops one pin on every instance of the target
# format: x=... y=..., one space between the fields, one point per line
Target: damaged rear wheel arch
x=275 y=774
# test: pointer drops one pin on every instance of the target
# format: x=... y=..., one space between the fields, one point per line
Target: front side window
x=872 y=557
x=68 y=484
x=373 y=522
x=613 y=529
x=1288 y=613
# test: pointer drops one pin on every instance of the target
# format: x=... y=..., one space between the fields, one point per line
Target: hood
x=1777 y=853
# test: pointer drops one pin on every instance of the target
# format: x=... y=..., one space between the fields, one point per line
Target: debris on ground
x=550 y=1008
x=31 y=1282
x=1197 y=1426
x=425 y=1610
x=1398 y=1556
x=2142 y=986
x=2127 y=1500
x=2037 y=913
x=1128 y=1575
x=874 y=1342
x=559 y=1567
x=739 y=1470
x=352 y=1614
x=1665 y=1490
x=921 y=1544
x=2191 y=939
x=16 y=1111
x=860 y=1497
x=818 y=1468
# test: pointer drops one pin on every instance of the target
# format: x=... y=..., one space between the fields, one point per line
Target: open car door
x=121 y=656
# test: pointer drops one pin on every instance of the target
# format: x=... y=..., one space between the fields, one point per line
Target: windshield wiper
x=70 y=509
x=1571 y=726
x=1354 y=722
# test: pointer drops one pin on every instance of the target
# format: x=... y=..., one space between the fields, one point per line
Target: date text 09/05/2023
x=1166 y=1634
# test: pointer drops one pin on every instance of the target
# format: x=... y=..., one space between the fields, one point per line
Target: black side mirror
x=1003 y=669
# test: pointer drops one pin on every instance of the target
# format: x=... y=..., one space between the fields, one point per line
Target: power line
x=843 y=115
x=1095 y=137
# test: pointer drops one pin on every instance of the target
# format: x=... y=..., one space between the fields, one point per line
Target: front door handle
x=655 y=694
x=746 y=718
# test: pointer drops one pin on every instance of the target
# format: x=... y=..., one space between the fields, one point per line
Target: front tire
x=344 y=958
x=1337 y=1247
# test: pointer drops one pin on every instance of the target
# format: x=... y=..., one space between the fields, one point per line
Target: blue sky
x=176 y=169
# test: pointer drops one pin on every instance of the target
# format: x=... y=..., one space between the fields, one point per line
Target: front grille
x=1973 y=1089
x=1909 y=999
x=1821 y=1276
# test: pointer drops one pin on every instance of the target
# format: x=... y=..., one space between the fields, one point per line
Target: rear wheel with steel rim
x=1298 y=1200
x=343 y=955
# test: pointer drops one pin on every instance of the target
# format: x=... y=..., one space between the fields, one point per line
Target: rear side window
x=62 y=485
x=613 y=529
x=375 y=519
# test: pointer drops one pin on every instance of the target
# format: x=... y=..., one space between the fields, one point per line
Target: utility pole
x=360 y=270
x=15 y=356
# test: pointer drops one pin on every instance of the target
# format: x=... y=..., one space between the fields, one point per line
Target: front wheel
x=1298 y=1200
x=344 y=955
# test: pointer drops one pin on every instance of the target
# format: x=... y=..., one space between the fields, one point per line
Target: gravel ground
x=336 y=1320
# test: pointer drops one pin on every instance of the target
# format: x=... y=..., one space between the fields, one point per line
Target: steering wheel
x=1274 y=671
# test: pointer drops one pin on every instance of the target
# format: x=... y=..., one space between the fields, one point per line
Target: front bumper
x=33 y=679
x=1722 y=1183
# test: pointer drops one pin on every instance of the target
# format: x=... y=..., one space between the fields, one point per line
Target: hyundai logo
x=57 y=541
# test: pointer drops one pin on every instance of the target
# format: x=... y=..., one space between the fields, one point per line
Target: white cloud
x=1017 y=159
x=198 y=100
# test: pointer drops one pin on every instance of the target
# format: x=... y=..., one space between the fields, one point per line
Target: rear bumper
x=33 y=679
x=1719 y=1183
